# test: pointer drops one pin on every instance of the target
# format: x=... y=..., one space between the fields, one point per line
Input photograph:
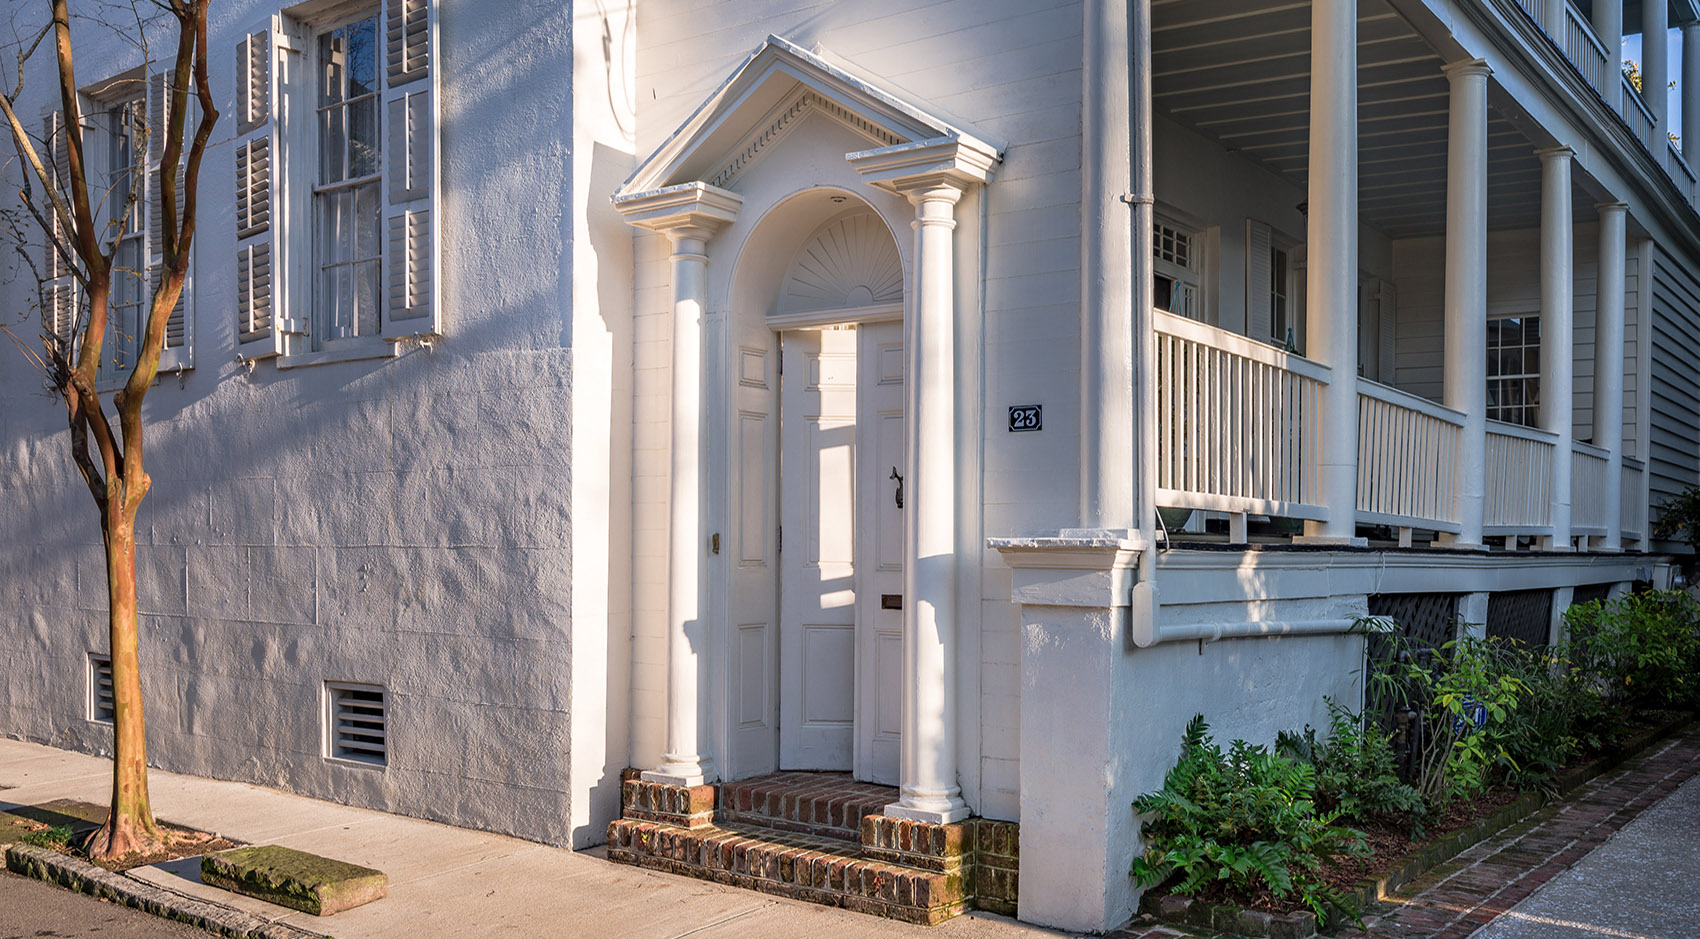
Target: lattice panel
x=1591 y=592
x=1523 y=615
x=1425 y=618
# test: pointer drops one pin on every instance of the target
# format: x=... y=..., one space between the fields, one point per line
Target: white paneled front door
x=841 y=561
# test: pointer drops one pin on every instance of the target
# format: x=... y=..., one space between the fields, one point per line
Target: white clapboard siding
x=1407 y=452
x=411 y=160
x=1235 y=422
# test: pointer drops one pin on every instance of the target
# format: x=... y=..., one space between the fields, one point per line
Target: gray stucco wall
x=404 y=522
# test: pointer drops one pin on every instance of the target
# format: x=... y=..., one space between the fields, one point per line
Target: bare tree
x=110 y=459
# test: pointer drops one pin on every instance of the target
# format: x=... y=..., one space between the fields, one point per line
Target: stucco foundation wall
x=404 y=522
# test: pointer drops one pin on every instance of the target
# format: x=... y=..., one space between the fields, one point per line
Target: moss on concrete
x=295 y=879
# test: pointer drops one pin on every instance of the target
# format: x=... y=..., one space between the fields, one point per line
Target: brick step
x=830 y=805
x=791 y=864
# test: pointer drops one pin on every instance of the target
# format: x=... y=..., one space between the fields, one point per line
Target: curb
x=73 y=874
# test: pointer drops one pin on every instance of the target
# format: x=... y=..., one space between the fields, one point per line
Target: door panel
x=880 y=643
x=752 y=672
x=817 y=634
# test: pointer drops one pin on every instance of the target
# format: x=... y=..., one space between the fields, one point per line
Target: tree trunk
x=130 y=827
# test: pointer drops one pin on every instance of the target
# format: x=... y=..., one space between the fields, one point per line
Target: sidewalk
x=451 y=882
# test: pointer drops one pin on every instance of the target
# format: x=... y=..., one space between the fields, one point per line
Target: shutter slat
x=258 y=286
x=408 y=29
x=411 y=306
x=1259 y=242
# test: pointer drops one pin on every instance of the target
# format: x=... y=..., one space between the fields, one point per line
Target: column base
x=940 y=809
x=1449 y=540
x=689 y=771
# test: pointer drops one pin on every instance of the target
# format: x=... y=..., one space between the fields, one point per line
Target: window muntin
x=1281 y=295
x=1175 y=270
x=347 y=207
x=1514 y=370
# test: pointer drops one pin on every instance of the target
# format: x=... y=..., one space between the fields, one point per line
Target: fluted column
x=1331 y=272
x=933 y=178
x=688 y=215
x=1466 y=288
x=1557 y=333
x=1608 y=365
x=1655 y=72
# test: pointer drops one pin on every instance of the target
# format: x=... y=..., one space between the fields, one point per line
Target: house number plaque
x=1026 y=417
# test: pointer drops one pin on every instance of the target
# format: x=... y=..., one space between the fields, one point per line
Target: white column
x=688 y=214
x=1608 y=365
x=1655 y=72
x=1691 y=93
x=1466 y=288
x=929 y=789
x=1557 y=332
x=686 y=761
x=1608 y=24
x=1107 y=483
x=1331 y=273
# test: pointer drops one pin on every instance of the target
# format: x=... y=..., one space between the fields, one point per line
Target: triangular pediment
x=766 y=97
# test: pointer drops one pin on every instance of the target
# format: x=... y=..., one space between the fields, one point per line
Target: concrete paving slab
x=1640 y=884
x=450 y=883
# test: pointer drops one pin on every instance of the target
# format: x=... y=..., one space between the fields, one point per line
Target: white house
x=728 y=390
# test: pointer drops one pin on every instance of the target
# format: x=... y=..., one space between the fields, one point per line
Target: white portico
x=780 y=252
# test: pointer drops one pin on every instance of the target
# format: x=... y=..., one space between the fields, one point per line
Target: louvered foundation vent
x=356 y=723
x=100 y=689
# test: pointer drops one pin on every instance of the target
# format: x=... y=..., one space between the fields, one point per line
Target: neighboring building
x=721 y=389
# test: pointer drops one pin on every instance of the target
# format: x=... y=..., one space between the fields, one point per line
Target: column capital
x=1560 y=152
x=1467 y=68
x=939 y=163
x=693 y=210
x=1612 y=207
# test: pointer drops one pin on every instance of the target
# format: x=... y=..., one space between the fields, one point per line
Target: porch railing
x=1234 y=422
x=1679 y=171
x=1407 y=454
x=1635 y=113
x=1588 y=496
x=1519 y=480
x=1584 y=49
x=1634 y=500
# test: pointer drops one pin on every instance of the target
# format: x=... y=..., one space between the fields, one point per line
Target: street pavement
x=1644 y=883
x=31 y=909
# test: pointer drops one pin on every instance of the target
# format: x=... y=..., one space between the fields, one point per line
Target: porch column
x=1655 y=72
x=1465 y=383
x=932 y=177
x=1608 y=365
x=1608 y=25
x=1691 y=93
x=1557 y=332
x=1331 y=271
x=688 y=215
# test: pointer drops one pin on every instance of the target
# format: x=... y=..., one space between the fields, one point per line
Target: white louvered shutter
x=258 y=191
x=411 y=218
x=179 y=349
x=59 y=293
x=1258 y=280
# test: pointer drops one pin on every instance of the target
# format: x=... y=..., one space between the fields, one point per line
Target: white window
x=335 y=171
x=1272 y=281
x=1177 y=255
x=124 y=126
x=1514 y=370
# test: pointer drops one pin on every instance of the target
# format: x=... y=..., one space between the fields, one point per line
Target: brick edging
x=73 y=874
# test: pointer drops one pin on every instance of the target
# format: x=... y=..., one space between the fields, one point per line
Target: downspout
x=1143 y=600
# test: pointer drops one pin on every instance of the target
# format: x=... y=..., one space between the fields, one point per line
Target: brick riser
x=823 y=804
x=800 y=866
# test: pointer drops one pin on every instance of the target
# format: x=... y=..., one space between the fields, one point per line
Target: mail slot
x=891 y=601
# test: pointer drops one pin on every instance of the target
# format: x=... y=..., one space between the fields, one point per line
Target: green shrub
x=1640 y=650
x=1355 y=769
x=1247 y=819
x=1466 y=696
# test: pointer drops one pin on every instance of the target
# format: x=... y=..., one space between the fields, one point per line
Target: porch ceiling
x=1239 y=73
